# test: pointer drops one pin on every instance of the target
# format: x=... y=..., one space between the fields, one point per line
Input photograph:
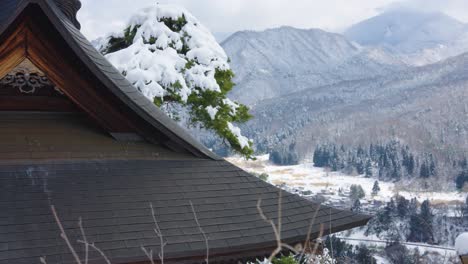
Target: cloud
x=101 y=17
x=455 y=8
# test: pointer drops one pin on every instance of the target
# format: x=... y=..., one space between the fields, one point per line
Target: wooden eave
x=464 y=259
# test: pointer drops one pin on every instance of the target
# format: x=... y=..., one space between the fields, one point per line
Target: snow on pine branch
x=172 y=58
x=159 y=57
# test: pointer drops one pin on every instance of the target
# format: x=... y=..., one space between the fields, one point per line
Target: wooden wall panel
x=67 y=136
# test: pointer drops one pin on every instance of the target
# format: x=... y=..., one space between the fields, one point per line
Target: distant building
x=76 y=135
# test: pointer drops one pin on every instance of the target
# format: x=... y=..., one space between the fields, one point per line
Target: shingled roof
x=69 y=160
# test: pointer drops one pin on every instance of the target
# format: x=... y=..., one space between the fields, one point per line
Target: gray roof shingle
x=116 y=215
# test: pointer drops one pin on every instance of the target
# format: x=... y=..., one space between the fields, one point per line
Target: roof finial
x=70 y=9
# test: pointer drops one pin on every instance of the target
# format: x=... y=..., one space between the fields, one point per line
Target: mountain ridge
x=425 y=106
x=278 y=61
x=417 y=37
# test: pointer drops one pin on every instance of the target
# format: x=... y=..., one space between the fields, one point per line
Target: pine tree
x=356 y=192
x=364 y=255
x=356 y=206
x=368 y=169
x=376 y=188
x=462 y=179
x=465 y=213
x=421 y=225
x=187 y=79
x=402 y=206
x=424 y=171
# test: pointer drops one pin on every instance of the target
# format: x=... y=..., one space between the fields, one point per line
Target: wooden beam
x=36 y=103
x=51 y=58
x=12 y=51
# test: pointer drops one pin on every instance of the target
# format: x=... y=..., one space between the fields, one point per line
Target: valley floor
x=332 y=188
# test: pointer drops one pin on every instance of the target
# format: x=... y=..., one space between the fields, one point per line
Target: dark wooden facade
x=75 y=134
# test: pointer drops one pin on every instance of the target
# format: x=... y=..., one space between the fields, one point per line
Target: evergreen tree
x=411 y=165
x=397 y=253
x=392 y=161
x=413 y=206
x=462 y=179
x=158 y=56
x=368 y=169
x=356 y=206
x=421 y=225
x=402 y=206
x=424 y=171
x=356 y=192
x=283 y=156
x=364 y=255
x=465 y=213
x=340 y=249
x=428 y=167
x=375 y=188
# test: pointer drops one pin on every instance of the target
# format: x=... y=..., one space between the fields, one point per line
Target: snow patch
x=212 y=111
x=243 y=141
x=461 y=244
x=154 y=62
x=231 y=105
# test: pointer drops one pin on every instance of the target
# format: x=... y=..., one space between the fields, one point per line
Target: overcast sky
x=99 y=17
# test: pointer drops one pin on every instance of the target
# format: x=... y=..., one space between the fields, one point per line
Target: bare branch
x=148 y=254
x=80 y=224
x=93 y=246
x=202 y=232
x=157 y=231
x=276 y=228
x=309 y=232
x=90 y=245
x=319 y=236
x=64 y=235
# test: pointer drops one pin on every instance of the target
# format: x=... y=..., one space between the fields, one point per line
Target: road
x=403 y=243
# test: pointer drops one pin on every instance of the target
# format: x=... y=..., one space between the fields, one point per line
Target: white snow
x=243 y=141
x=212 y=111
x=306 y=177
x=231 y=105
x=381 y=260
x=461 y=244
x=158 y=68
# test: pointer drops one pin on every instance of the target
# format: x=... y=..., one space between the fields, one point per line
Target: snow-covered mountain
x=417 y=37
x=279 y=61
x=425 y=107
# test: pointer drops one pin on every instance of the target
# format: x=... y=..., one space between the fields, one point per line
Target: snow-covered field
x=335 y=185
